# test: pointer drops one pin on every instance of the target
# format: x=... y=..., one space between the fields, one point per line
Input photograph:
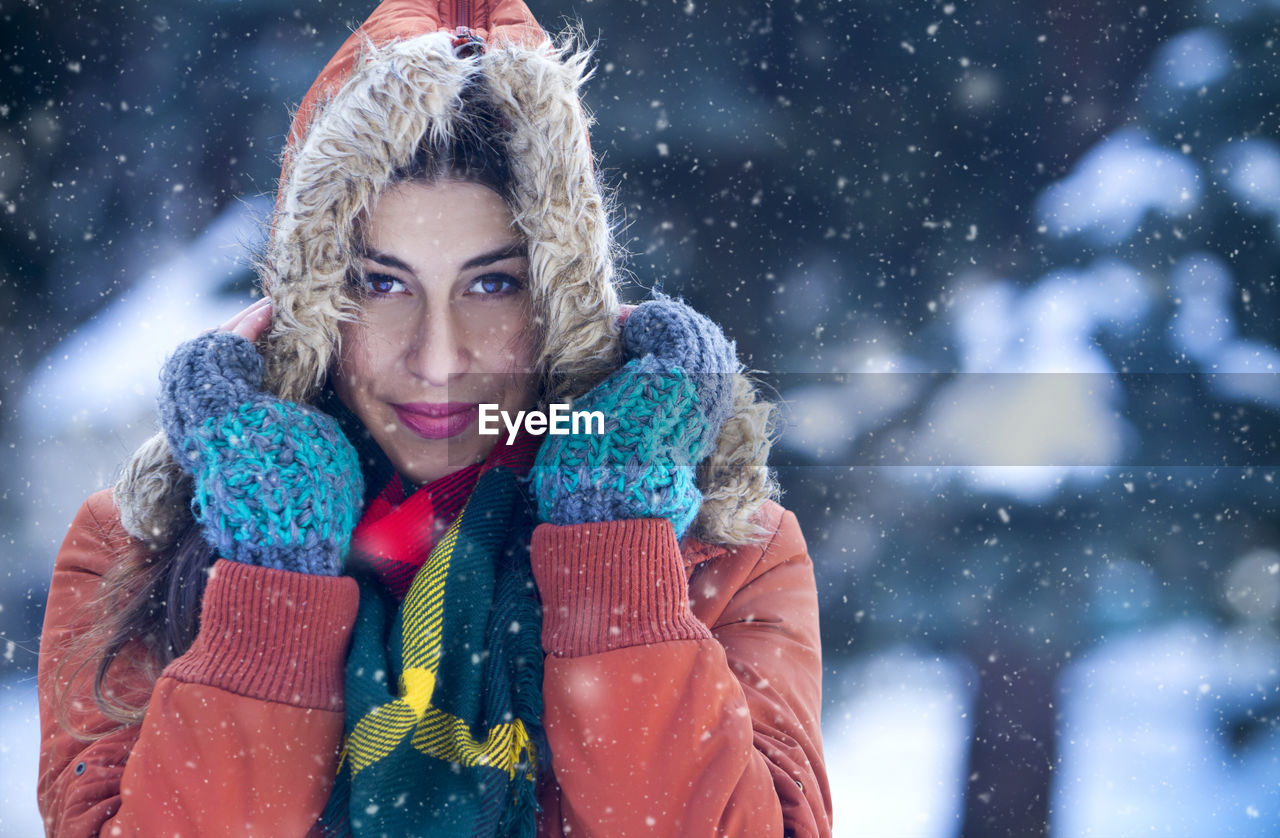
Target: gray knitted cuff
x=677 y=335
x=206 y=377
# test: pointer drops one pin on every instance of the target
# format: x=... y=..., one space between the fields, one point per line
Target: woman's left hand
x=663 y=411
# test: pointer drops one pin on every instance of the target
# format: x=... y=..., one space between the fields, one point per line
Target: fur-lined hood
x=399 y=78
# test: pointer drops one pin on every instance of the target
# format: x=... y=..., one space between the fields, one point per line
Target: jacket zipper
x=465 y=41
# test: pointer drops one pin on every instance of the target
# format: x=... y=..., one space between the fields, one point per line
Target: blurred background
x=1011 y=266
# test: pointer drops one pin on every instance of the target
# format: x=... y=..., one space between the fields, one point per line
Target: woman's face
x=445 y=327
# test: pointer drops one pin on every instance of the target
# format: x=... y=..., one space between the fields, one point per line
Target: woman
x=322 y=602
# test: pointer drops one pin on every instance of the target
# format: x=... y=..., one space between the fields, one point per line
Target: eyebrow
x=507 y=251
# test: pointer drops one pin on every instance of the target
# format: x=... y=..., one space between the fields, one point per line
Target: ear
x=625 y=312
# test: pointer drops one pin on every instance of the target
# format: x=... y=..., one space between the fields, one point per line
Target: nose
x=437 y=352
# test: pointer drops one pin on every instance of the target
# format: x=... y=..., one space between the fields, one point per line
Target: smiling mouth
x=437 y=421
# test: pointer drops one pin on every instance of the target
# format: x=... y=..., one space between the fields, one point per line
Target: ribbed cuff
x=274 y=635
x=611 y=585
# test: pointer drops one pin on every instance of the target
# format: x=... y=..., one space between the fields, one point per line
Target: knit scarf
x=443 y=732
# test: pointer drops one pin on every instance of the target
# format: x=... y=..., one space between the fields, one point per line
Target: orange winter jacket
x=690 y=714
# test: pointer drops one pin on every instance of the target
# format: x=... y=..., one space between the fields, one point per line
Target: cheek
x=354 y=369
x=506 y=346
x=522 y=350
x=523 y=339
x=522 y=381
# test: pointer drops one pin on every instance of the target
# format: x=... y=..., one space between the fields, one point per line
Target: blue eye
x=491 y=285
x=383 y=284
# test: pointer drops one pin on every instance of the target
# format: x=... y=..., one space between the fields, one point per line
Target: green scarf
x=444 y=692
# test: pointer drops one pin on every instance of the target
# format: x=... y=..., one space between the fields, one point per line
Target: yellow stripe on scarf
x=448 y=737
x=435 y=732
x=424 y=604
x=380 y=730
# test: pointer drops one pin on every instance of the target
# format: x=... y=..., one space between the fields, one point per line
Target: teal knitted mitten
x=662 y=414
x=276 y=484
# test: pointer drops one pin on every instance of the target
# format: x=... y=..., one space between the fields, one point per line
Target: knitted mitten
x=662 y=413
x=276 y=483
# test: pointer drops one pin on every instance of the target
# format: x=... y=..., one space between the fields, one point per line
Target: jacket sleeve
x=241 y=733
x=659 y=724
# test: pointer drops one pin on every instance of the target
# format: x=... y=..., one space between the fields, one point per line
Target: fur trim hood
x=397 y=80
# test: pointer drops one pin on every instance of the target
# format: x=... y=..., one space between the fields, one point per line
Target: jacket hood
x=399 y=79
x=407 y=74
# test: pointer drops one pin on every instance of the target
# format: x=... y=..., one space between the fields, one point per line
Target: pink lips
x=437 y=421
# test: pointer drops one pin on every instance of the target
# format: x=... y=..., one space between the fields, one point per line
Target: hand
x=249 y=323
x=663 y=413
x=277 y=484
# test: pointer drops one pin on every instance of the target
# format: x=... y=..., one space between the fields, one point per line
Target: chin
x=448 y=457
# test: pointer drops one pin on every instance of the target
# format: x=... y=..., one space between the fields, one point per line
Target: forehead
x=443 y=215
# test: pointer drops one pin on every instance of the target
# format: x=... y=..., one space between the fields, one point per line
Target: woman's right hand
x=276 y=483
x=250 y=322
